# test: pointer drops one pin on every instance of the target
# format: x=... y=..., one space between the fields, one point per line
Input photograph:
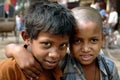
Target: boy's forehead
x=87 y=28
x=52 y=37
x=81 y=24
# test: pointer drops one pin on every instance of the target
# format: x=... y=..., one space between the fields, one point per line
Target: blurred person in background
x=113 y=19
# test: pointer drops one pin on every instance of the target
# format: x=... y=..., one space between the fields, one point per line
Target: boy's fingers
x=35 y=70
x=29 y=78
x=30 y=74
x=37 y=66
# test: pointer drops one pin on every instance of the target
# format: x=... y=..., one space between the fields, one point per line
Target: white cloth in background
x=113 y=18
x=18 y=22
x=95 y=6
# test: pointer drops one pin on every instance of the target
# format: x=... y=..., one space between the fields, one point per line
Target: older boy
x=47 y=32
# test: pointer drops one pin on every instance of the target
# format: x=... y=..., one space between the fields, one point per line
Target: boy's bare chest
x=92 y=73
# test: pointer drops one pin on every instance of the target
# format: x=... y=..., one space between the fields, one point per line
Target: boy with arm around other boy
x=43 y=29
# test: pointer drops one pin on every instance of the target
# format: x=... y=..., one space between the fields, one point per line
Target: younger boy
x=48 y=27
x=85 y=61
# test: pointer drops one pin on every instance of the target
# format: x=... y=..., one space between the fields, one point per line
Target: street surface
x=113 y=52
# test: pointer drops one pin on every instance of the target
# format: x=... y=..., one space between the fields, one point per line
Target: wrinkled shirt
x=9 y=70
x=72 y=69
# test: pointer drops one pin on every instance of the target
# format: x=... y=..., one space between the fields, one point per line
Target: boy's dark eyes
x=94 y=40
x=47 y=44
x=76 y=41
x=64 y=45
x=91 y=40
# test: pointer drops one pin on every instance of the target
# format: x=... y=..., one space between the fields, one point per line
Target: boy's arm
x=10 y=49
x=24 y=59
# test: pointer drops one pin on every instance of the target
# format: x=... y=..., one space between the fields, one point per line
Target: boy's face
x=87 y=42
x=49 y=49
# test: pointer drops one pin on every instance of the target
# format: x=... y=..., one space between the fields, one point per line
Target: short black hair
x=49 y=17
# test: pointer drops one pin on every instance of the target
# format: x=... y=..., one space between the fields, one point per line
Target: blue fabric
x=73 y=69
x=103 y=12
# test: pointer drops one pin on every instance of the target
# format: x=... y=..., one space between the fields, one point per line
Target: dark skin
x=91 y=68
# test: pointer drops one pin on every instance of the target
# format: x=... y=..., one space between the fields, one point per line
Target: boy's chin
x=49 y=67
x=85 y=63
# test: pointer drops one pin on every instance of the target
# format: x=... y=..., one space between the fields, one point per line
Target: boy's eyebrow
x=95 y=37
x=49 y=40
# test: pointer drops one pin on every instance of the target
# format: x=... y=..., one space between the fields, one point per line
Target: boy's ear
x=25 y=37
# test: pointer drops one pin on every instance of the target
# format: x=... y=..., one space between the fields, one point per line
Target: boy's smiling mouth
x=86 y=57
x=51 y=63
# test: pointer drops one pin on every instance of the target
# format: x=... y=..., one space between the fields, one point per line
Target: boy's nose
x=54 y=54
x=85 y=48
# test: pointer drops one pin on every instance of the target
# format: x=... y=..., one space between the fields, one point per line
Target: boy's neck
x=91 y=71
x=93 y=64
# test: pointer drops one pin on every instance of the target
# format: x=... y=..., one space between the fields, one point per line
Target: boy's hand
x=30 y=67
x=27 y=63
x=31 y=70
